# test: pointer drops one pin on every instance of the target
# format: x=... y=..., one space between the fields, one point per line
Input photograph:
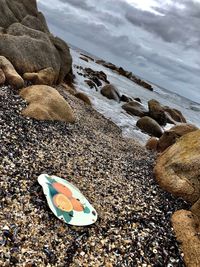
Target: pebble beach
x=114 y=173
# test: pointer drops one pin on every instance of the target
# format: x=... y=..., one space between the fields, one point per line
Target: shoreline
x=134 y=226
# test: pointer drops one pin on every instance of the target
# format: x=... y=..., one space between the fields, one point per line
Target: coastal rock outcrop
x=171 y=136
x=177 y=170
x=150 y=126
x=156 y=112
x=186 y=228
x=45 y=103
x=111 y=92
x=27 y=43
x=11 y=76
x=175 y=114
x=135 y=108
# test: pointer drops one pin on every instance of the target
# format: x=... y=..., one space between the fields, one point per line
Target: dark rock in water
x=195 y=107
x=91 y=84
x=27 y=44
x=96 y=81
x=149 y=126
x=111 y=92
x=137 y=99
x=96 y=76
x=135 y=108
x=175 y=114
x=125 y=98
x=84 y=59
x=86 y=56
x=141 y=83
x=157 y=112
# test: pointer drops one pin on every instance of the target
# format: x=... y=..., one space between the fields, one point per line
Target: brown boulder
x=45 y=103
x=156 y=112
x=27 y=43
x=177 y=170
x=84 y=98
x=12 y=77
x=46 y=77
x=175 y=114
x=196 y=209
x=111 y=92
x=152 y=144
x=2 y=77
x=186 y=228
x=171 y=136
x=149 y=126
x=135 y=108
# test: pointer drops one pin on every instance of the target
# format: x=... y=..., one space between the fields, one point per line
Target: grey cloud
x=172 y=25
x=128 y=36
x=83 y=4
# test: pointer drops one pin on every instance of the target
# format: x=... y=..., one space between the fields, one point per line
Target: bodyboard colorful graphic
x=66 y=201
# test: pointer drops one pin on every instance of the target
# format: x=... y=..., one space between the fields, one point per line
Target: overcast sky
x=156 y=39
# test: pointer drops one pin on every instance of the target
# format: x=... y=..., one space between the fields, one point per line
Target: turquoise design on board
x=66 y=201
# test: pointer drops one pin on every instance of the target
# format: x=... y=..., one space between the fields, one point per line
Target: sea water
x=113 y=110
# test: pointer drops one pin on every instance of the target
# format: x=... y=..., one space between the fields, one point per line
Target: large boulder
x=149 y=126
x=46 y=76
x=27 y=43
x=45 y=103
x=175 y=114
x=177 y=170
x=171 y=136
x=111 y=92
x=12 y=77
x=156 y=112
x=135 y=108
x=186 y=228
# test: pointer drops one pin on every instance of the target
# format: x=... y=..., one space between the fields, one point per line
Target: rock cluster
x=127 y=74
x=156 y=116
x=29 y=47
